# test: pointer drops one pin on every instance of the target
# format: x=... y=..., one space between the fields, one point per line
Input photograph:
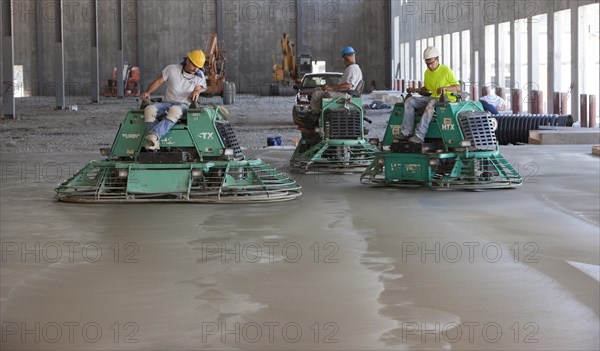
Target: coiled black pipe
x=514 y=128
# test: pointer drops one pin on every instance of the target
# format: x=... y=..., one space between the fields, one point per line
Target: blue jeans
x=413 y=104
x=489 y=107
x=161 y=125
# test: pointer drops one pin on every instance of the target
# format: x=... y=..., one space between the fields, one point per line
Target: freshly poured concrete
x=344 y=266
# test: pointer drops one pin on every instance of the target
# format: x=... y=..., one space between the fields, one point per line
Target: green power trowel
x=336 y=144
x=460 y=152
x=199 y=160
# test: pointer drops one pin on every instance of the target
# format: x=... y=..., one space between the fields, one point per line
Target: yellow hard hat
x=197 y=57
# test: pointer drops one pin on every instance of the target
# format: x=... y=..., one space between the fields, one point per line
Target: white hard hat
x=430 y=52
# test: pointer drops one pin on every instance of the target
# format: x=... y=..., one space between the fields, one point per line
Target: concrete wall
x=170 y=28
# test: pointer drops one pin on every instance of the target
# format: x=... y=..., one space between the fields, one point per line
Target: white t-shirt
x=180 y=84
x=352 y=75
x=494 y=100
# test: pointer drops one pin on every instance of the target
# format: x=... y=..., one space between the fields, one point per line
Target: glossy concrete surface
x=344 y=266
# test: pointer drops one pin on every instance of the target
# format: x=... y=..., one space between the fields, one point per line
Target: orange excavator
x=288 y=73
x=214 y=71
x=131 y=82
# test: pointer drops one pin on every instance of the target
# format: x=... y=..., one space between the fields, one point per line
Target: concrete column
x=553 y=71
x=502 y=47
x=120 y=60
x=583 y=110
x=575 y=61
x=516 y=100
x=413 y=69
x=220 y=19
x=536 y=103
x=299 y=29
x=388 y=49
x=460 y=65
x=592 y=111
x=39 y=45
x=497 y=69
x=564 y=106
x=555 y=103
x=451 y=45
x=485 y=90
x=500 y=92
x=8 y=59
x=515 y=59
x=533 y=77
x=479 y=41
x=139 y=39
x=475 y=74
x=474 y=92
x=59 y=58
x=94 y=55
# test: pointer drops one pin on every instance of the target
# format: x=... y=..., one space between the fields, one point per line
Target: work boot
x=415 y=139
x=152 y=140
x=401 y=137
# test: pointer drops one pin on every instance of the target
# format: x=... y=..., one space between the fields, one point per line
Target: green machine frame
x=337 y=144
x=460 y=151
x=199 y=161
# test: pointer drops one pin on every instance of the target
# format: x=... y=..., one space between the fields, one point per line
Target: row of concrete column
x=7 y=8
x=587 y=110
x=8 y=45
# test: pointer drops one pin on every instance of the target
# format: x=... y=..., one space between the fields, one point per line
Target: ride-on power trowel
x=336 y=141
x=199 y=160
x=460 y=151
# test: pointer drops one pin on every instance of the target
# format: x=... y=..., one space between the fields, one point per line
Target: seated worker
x=492 y=102
x=350 y=79
x=185 y=82
x=439 y=79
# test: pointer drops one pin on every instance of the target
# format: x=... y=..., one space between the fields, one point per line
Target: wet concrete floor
x=343 y=267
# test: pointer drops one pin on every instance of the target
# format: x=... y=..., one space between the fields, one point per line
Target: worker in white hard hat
x=439 y=79
x=185 y=82
x=350 y=80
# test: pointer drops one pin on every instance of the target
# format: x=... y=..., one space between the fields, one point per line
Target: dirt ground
x=39 y=127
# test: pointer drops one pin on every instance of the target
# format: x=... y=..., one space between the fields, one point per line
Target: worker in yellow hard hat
x=185 y=82
x=439 y=79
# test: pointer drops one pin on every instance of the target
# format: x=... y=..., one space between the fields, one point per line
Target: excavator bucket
x=199 y=160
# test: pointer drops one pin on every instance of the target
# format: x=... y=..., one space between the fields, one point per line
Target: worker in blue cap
x=350 y=80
